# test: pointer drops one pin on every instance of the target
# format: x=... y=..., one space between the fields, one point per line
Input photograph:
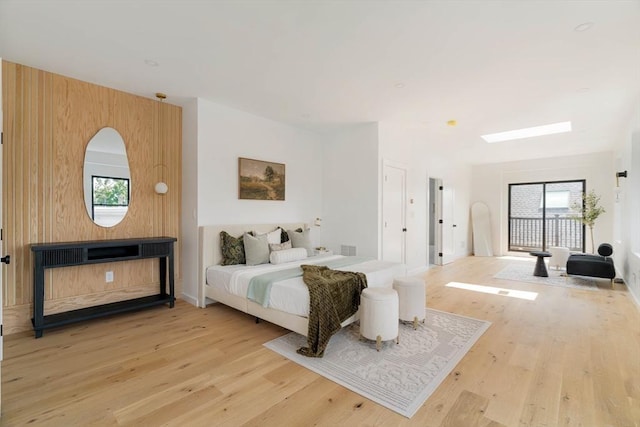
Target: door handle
x=404 y=230
x=6 y=259
x=454 y=225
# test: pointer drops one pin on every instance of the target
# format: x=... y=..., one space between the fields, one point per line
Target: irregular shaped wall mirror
x=106 y=178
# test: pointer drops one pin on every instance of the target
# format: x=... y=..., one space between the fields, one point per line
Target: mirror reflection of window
x=107 y=179
x=110 y=199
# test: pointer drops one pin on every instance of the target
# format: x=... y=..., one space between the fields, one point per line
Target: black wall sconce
x=619 y=175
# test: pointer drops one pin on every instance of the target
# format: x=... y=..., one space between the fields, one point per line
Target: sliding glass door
x=545 y=214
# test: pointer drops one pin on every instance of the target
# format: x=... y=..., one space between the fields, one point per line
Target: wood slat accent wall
x=48 y=122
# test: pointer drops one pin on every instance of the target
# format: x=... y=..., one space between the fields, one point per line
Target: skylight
x=528 y=132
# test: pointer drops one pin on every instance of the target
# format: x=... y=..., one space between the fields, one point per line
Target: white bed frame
x=209 y=254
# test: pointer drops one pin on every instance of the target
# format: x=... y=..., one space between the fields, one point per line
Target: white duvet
x=292 y=295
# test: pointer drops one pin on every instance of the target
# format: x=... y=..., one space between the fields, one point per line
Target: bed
x=288 y=302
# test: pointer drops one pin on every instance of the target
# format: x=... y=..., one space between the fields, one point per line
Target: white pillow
x=273 y=237
x=280 y=246
x=301 y=239
x=256 y=249
x=287 y=255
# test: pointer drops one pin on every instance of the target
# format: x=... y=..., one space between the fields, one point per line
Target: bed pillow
x=256 y=249
x=287 y=255
x=232 y=249
x=301 y=239
x=273 y=237
x=284 y=237
x=279 y=246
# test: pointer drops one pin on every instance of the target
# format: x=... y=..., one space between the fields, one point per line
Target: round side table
x=541 y=269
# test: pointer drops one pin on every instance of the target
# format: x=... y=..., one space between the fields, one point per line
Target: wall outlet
x=108 y=277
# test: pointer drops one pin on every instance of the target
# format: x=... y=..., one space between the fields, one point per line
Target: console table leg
x=172 y=296
x=38 y=296
x=163 y=275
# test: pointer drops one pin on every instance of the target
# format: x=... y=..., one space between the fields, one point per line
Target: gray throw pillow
x=301 y=239
x=256 y=249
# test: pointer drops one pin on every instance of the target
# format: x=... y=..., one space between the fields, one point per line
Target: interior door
x=435 y=221
x=393 y=214
x=448 y=224
x=1 y=225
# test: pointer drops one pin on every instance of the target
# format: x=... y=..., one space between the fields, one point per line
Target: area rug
x=523 y=272
x=400 y=376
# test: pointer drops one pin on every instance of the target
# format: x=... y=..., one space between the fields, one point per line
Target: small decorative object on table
x=321 y=250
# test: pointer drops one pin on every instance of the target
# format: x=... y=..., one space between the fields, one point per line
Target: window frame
x=510 y=247
x=94 y=204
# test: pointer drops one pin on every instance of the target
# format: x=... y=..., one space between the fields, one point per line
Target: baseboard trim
x=191 y=300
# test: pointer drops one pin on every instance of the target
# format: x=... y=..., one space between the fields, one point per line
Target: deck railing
x=526 y=233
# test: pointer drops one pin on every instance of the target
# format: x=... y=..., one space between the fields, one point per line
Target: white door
x=435 y=221
x=448 y=224
x=1 y=243
x=393 y=213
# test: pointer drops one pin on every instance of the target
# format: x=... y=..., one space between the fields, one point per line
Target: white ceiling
x=490 y=65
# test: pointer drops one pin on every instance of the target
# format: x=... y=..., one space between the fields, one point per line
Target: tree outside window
x=108 y=191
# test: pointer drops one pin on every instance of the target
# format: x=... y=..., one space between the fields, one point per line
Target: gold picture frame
x=260 y=180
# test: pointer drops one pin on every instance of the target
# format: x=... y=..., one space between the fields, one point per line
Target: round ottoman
x=379 y=315
x=411 y=295
x=559 y=257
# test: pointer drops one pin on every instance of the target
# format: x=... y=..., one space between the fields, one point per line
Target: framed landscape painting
x=260 y=180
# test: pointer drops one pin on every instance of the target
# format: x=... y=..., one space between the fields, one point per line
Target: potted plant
x=591 y=210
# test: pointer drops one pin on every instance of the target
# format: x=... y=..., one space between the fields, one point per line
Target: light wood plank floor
x=569 y=358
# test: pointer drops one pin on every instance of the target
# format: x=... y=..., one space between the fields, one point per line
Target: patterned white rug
x=400 y=376
x=523 y=272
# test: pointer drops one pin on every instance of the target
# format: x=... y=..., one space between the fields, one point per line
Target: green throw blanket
x=334 y=297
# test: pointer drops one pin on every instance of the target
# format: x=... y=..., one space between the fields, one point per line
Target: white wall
x=189 y=232
x=214 y=137
x=627 y=209
x=224 y=134
x=491 y=182
x=419 y=150
x=350 y=193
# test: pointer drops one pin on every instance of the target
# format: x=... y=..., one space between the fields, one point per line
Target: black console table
x=54 y=255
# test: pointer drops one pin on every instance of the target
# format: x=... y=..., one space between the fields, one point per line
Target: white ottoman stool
x=411 y=295
x=559 y=257
x=379 y=315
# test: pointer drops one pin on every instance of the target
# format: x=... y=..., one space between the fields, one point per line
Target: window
x=555 y=200
x=109 y=198
x=541 y=216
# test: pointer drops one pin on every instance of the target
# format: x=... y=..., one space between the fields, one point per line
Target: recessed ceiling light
x=584 y=89
x=452 y=123
x=528 y=132
x=151 y=63
x=584 y=27
x=399 y=85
